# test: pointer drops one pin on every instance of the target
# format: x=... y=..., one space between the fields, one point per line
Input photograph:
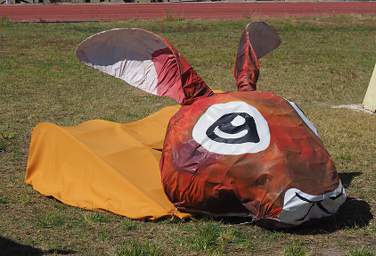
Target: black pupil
x=224 y=125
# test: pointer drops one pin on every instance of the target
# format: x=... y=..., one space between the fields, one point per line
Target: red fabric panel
x=169 y=82
x=196 y=180
x=176 y=77
x=246 y=71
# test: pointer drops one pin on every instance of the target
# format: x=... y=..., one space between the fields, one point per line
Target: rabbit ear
x=143 y=60
x=256 y=41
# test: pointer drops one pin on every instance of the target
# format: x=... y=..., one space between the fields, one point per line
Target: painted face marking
x=299 y=206
x=238 y=120
x=232 y=128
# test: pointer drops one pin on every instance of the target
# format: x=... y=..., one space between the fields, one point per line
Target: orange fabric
x=103 y=165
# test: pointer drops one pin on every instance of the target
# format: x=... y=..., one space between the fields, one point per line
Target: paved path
x=207 y=10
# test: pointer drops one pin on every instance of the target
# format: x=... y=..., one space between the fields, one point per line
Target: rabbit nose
x=299 y=207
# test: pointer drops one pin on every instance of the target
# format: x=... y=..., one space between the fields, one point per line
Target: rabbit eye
x=232 y=128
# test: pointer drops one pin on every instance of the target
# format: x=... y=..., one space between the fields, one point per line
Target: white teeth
x=299 y=207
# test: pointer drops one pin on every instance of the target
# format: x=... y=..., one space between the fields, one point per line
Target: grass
x=6 y=139
x=3 y=200
x=50 y=220
x=135 y=248
x=294 y=249
x=214 y=238
x=92 y=218
x=322 y=62
x=129 y=225
x=361 y=252
x=206 y=237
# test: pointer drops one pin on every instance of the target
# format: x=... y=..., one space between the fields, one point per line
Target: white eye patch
x=304 y=118
x=232 y=128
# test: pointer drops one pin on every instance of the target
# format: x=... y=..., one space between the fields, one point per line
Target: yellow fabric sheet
x=103 y=165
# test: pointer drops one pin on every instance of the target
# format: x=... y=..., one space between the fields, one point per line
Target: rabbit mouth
x=299 y=207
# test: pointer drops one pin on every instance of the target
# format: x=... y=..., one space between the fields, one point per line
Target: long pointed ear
x=256 y=41
x=143 y=60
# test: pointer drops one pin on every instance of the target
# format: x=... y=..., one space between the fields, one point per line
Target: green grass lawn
x=322 y=62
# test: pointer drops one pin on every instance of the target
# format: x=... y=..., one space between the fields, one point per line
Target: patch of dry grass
x=322 y=62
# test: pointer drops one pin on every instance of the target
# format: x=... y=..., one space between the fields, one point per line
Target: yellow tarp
x=103 y=165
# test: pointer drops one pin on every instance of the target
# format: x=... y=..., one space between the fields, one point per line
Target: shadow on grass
x=347 y=177
x=354 y=213
x=9 y=247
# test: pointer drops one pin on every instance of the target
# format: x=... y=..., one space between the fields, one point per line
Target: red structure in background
x=207 y=10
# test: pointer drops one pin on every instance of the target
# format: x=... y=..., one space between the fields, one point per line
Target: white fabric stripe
x=304 y=117
x=125 y=54
x=140 y=74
